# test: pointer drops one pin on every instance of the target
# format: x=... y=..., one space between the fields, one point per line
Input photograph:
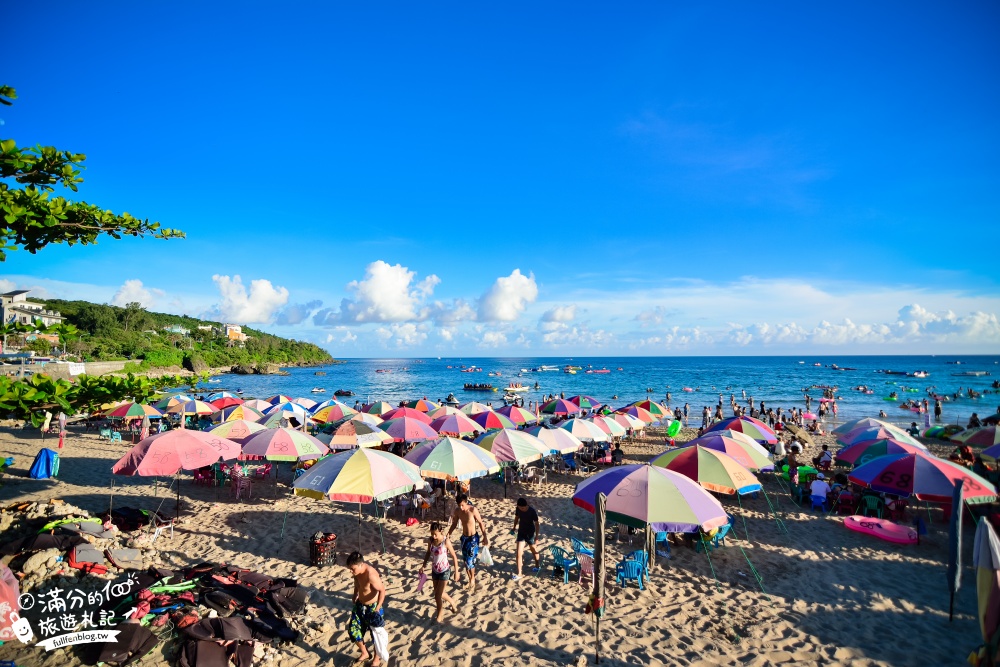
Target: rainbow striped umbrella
x=351 y=434
x=558 y=440
x=653 y=408
x=333 y=412
x=133 y=411
x=711 y=468
x=367 y=418
x=755 y=428
x=278 y=398
x=378 y=408
x=284 y=444
x=864 y=422
x=172 y=400
x=235 y=412
x=638 y=413
x=743 y=453
x=492 y=421
x=408 y=429
x=237 y=429
x=192 y=408
x=745 y=439
x=927 y=477
x=423 y=405
x=289 y=409
x=560 y=406
x=983 y=436
x=449 y=458
x=509 y=445
x=628 y=421
x=864 y=451
x=474 y=407
x=609 y=426
x=518 y=415
x=412 y=413
x=585 y=402
x=585 y=430
x=359 y=476
x=456 y=425
x=444 y=411
x=643 y=495
x=887 y=432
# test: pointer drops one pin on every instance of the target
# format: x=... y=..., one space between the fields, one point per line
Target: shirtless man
x=469 y=516
x=369 y=594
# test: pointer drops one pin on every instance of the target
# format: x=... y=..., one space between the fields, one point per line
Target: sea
x=696 y=381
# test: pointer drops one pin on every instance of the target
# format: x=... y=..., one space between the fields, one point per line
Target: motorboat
x=515 y=387
x=343 y=392
x=542 y=369
x=317 y=390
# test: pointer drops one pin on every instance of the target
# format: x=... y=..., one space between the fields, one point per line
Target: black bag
x=133 y=642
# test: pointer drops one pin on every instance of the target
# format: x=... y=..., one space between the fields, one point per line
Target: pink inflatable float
x=887 y=530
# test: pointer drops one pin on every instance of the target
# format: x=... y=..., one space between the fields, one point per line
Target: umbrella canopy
x=628 y=421
x=640 y=495
x=491 y=421
x=449 y=458
x=986 y=559
x=711 y=468
x=653 y=408
x=991 y=420
x=509 y=445
x=408 y=429
x=257 y=404
x=864 y=422
x=609 y=426
x=927 y=477
x=237 y=429
x=350 y=434
x=281 y=418
x=192 y=408
x=585 y=402
x=133 y=411
x=744 y=454
x=223 y=394
x=334 y=411
x=798 y=432
x=167 y=453
x=284 y=444
x=560 y=406
x=367 y=418
x=518 y=415
x=378 y=408
x=423 y=405
x=638 y=413
x=171 y=400
x=359 y=476
x=558 y=440
x=457 y=425
x=878 y=433
x=289 y=409
x=586 y=431
x=444 y=411
x=474 y=407
x=235 y=412
x=308 y=403
x=278 y=398
x=411 y=413
x=746 y=440
x=225 y=402
x=864 y=451
x=985 y=436
x=755 y=428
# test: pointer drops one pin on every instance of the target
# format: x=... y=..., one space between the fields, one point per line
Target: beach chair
x=239 y=483
x=105 y=434
x=562 y=560
x=640 y=556
x=586 y=567
x=897 y=509
x=159 y=525
x=664 y=539
x=629 y=570
x=706 y=543
x=116 y=436
x=870 y=504
x=818 y=502
x=580 y=548
x=220 y=473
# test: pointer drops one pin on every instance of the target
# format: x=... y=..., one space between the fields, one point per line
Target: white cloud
x=493 y=339
x=508 y=297
x=560 y=314
x=387 y=293
x=406 y=335
x=134 y=290
x=7 y=286
x=259 y=305
x=341 y=335
x=295 y=313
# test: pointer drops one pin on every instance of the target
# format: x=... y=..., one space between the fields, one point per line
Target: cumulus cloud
x=7 y=286
x=258 y=305
x=403 y=335
x=387 y=293
x=295 y=313
x=560 y=314
x=448 y=314
x=341 y=335
x=133 y=290
x=493 y=339
x=508 y=297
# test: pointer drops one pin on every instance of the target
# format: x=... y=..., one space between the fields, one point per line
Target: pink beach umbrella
x=492 y=421
x=444 y=411
x=558 y=440
x=237 y=429
x=167 y=453
x=518 y=415
x=258 y=405
x=412 y=413
x=475 y=407
x=456 y=425
x=408 y=429
x=639 y=413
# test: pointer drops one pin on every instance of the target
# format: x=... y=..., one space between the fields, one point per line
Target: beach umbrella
x=990 y=453
x=411 y=413
x=450 y=458
x=257 y=404
x=638 y=413
x=225 y=402
x=744 y=454
x=167 y=453
x=350 y=434
x=278 y=398
x=367 y=418
x=143 y=428
x=284 y=444
x=510 y=445
x=222 y=394
x=992 y=420
x=518 y=415
x=289 y=409
x=378 y=408
x=559 y=441
x=984 y=436
x=237 y=412
x=711 y=468
x=986 y=559
x=586 y=431
x=878 y=433
x=745 y=439
x=864 y=451
x=491 y=421
x=926 y=477
x=609 y=426
x=10 y=595
x=333 y=412
x=755 y=428
x=864 y=422
x=423 y=405
x=628 y=421
x=456 y=425
x=172 y=400
x=237 y=429
x=308 y=403
x=640 y=495
x=653 y=408
x=192 y=408
x=585 y=402
x=444 y=411
x=560 y=406
x=408 y=429
x=133 y=411
x=596 y=605
x=474 y=407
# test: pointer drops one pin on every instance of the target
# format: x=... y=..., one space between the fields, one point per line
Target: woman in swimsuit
x=438 y=551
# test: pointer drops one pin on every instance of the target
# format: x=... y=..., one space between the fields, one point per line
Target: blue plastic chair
x=640 y=556
x=580 y=548
x=714 y=542
x=664 y=539
x=629 y=570
x=563 y=560
x=818 y=502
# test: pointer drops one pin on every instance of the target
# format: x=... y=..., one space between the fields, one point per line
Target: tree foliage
x=33 y=218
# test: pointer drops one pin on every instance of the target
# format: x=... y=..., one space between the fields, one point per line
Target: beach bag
x=380 y=637
x=411 y=522
x=485 y=558
x=421 y=580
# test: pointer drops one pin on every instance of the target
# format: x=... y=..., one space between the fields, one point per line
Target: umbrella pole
x=380 y=534
x=178 y=513
x=111 y=498
x=359 y=526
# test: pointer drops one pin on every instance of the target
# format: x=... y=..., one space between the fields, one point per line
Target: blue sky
x=579 y=177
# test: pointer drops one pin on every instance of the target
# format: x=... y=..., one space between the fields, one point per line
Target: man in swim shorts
x=526 y=528
x=470 y=519
x=367 y=614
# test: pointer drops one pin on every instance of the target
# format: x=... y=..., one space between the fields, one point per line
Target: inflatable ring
x=674 y=428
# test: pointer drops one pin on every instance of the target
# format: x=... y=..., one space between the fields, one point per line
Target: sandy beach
x=833 y=597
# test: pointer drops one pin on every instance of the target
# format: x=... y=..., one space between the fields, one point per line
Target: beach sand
x=833 y=597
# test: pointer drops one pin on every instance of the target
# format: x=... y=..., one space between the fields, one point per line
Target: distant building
x=206 y=327
x=15 y=307
x=235 y=332
x=177 y=329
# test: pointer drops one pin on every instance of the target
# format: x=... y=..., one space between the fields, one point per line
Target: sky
x=418 y=179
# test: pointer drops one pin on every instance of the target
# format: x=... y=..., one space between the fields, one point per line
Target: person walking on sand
x=526 y=527
x=438 y=551
x=369 y=595
x=470 y=519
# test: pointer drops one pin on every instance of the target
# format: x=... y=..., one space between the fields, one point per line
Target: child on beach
x=367 y=614
x=470 y=519
x=438 y=551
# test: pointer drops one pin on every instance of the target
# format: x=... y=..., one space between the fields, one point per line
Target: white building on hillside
x=15 y=307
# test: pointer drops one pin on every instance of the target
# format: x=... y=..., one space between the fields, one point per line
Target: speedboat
x=318 y=390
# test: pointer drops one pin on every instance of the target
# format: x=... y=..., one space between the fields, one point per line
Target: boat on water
x=970 y=374
x=572 y=368
x=817 y=364
x=320 y=373
x=472 y=369
x=317 y=390
x=494 y=374
x=515 y=387
x=478 y=387
x=382 y=370
x=570 y=371
x=542 y=369
x=214 y=381
x=451 y=400
x=343 y=392
x=599 y=371
x=919 y=374
x=620 y=368
x=525 y=370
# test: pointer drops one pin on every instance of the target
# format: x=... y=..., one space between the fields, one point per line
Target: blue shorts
x=470 y=550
